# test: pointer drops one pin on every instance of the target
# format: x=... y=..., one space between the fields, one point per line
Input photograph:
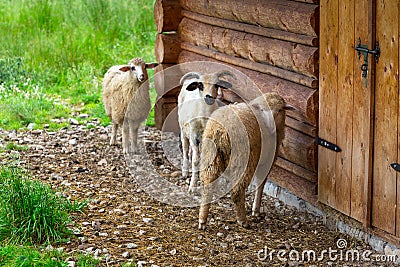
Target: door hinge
x=395 y=166
x=327 y=144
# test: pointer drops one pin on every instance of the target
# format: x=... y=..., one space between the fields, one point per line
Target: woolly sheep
x=240 y=120
x=121 y=89
x=196 y=102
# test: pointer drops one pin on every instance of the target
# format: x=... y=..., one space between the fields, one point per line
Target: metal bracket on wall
x=327 y=144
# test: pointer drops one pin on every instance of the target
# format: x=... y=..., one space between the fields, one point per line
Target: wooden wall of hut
x=273 y=42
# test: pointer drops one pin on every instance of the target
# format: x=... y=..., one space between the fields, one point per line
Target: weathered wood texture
x=166 y=83
x=301 y=187
x=297 y=170
x=282 y=54
x=328 y=87
x=345 y=110
x=299 y=149
x=163 y=108
x=263 y=68
x=385 y=210
x=254 y=29
x=167 y=48
x=303 y=98
x=276 y=14
x=167 y=15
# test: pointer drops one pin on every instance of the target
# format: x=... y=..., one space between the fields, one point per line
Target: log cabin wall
x=275 y=43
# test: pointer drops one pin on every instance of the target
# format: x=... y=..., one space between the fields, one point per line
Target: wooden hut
x=341 y=149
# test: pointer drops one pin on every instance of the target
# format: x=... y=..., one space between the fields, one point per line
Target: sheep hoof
x=191 y=189
x=255 y=213
x=202 y=226
x=244 y=224
x=257 y=217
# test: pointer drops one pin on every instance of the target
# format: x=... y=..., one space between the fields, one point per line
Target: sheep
x=196 y=102
x=231 y=147
x=123 y=86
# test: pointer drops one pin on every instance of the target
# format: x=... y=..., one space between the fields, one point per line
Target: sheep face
x=209 y=85
x=137 y=67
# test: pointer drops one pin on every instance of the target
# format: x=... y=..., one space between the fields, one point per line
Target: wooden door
x=385 y=187
x=345 y=108
x=363 y=121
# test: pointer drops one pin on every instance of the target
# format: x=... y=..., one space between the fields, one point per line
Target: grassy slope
x=53 y=54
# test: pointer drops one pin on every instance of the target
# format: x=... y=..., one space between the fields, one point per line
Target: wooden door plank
x=327 y=98
x=398 y=132
x=362 y=120
x=386 y=109
x=344 y=120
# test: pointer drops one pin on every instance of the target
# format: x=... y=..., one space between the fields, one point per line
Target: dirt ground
x=123 y=223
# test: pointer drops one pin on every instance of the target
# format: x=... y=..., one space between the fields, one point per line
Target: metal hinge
x=396 y=166
x=327 y=144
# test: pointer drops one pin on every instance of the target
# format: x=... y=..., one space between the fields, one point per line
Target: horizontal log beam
x=264 y=68
x=296 y=169
x=167 y=48
x=303 y=98
x=300 y=187
x=301 y=126
x=162 y=110
x=299 y=149
x=284 y=15
x=167 y=15
x=282 y=54
x=307 y=1
x=253 y=29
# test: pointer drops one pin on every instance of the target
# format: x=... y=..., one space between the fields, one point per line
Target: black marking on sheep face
x=195 y=85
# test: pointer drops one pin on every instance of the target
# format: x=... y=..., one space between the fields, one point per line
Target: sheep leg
x=185 y=152
x=125 y=137
x=113 y=140
x=238 y=198
x=195 y=166
x=204 y=208
x=134 y=129
x=257 y=198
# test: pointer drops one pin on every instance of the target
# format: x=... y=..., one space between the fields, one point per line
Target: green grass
x=53 y=54
x=32 y=216
x=15 y=147
x=11 y=256
x=30 y=212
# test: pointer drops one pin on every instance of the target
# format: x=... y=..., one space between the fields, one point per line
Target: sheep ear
x=225 y=73
x=125 y=68
x=189 y=75
x=193 y=86
x=151 y=65
x=224 y=84
x=289 y=107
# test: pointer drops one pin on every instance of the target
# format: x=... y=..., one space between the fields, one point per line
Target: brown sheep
x=238 y=124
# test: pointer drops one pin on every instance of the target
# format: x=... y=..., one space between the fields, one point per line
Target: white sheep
x=122 y=92
x=231 y=149
x=196 y=102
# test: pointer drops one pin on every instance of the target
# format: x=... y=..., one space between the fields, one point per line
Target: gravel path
x=125 y=224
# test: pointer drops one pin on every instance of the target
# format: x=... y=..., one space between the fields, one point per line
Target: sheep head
x=209 y=85
x=137 y=67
